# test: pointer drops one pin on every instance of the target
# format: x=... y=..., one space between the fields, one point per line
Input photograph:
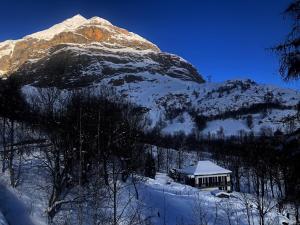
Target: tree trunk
x=4 y=155
x=237 y=179
x=115 y=202
x=271 y=183
x=56 y=191
x=80 y=214
x=11 y=156
x=114 y=194
x=297 y=212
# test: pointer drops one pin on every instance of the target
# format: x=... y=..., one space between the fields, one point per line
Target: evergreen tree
x=150 y=170
x=249 y=120
x=298 y=110
x=288 y=51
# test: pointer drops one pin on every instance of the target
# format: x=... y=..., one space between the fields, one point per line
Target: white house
x=205 y=175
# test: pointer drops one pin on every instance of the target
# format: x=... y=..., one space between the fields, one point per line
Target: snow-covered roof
x=204 y=168
x=220 y=193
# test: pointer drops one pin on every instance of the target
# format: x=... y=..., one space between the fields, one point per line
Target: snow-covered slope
x=175 y=105
x=227 y=105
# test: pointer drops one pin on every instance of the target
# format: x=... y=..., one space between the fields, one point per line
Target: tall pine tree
x=150 y=170
x=288 y=51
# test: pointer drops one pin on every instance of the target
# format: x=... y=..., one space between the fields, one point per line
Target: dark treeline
x=12 y=104
x=13 y=110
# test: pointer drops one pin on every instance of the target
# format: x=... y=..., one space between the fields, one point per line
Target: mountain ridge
x=85 y=53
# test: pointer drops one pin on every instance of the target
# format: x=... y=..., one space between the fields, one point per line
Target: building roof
x=220 y=193
x=204 y=168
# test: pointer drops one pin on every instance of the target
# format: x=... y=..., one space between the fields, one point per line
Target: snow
x=218 y=193
x=72 y=25
x=108 y=50
x=168 y=202
x=158 y=92
x=13 y=209
x=173 y=203
x=183 y=123
x=161 y=199
x=274 y=121
x=282 y=219
x=34 y=96
x=67 y=25
x=2 y=72
x=6 y=48
x=204 y=168
x=2 y=220
x=231 y=127
x=99 y=20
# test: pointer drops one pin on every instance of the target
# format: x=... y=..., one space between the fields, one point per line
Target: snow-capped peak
x=67 y=25
x=73 y=21
x=99 y=20
x=70 y=24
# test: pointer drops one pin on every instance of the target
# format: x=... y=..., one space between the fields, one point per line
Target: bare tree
x=11 y=153
x=203 y=215
x=263 y=204
x=247 y=202
x=3 y=141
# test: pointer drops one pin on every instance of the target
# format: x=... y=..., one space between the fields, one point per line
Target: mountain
x=82 y=53
x=66 y=50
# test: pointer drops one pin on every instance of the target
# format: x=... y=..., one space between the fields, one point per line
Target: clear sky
x=225 y=39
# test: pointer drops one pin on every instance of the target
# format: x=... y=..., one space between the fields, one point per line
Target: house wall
x=215 y=175
x=226 y=177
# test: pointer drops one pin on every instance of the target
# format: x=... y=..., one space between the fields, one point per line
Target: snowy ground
x=13 y=209
x=27 y=201
x=274 y=120
x=173 y=203
x=161 y=199
x=2 y=220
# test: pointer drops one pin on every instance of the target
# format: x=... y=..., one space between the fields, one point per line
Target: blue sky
x=225 y=39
